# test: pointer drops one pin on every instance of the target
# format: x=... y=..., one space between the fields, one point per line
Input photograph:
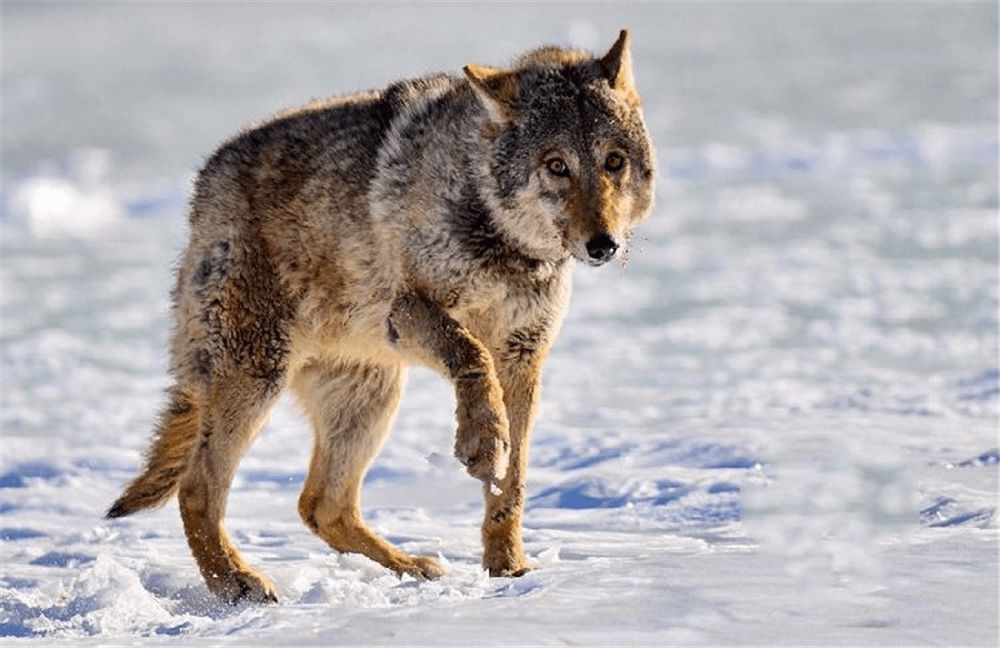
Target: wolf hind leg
x=351 y=408
x=167 y=459
x=235 y=411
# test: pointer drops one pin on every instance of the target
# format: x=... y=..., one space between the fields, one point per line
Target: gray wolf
x=433 y=222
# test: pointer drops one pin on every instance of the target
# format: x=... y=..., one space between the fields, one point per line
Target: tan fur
x=332 y=246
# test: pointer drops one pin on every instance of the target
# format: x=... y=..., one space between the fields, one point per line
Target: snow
x=777 y=424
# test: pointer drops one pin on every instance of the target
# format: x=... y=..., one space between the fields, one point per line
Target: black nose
x=602 y=248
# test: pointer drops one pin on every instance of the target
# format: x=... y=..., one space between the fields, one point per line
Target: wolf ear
x=496 y=89
x=617 y=66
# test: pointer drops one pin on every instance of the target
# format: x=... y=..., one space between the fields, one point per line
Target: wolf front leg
x=503 y=549
x=424 y=332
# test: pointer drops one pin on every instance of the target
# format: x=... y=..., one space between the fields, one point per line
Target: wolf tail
x=167 y=459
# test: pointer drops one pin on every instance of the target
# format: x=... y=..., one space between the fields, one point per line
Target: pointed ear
x=617 y=66
x=496 y=89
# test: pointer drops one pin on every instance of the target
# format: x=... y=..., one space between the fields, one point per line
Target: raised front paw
x=488 y=461
x=482 y=444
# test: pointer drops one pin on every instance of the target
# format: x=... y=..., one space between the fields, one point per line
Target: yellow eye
x=557 y=167
x=614 y=162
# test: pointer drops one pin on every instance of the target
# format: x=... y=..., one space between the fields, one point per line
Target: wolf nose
x=602 y=248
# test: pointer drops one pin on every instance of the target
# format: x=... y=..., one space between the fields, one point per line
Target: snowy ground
x=777 y=425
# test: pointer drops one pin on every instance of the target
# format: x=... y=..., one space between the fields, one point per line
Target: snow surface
x=778 y=424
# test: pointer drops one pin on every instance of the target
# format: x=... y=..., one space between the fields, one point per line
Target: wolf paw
x=503 y=556
x=482 y=440
x=510 y=568
x=509 y=573
x=239 y=587
x=506 y=565
x=485 y=454
x=425 y=568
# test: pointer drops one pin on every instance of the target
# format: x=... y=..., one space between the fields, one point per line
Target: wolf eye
x=557 y=167
x=614 y=162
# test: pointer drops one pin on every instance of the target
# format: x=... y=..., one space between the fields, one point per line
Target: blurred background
x=158 y=84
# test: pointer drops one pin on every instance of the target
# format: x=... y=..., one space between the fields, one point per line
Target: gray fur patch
x=214 y=263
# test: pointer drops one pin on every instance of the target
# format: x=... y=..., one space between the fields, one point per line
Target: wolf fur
x=332 y=246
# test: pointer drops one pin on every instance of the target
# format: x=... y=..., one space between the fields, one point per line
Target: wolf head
x=569 y=167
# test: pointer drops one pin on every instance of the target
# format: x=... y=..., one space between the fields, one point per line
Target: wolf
x=332 y=246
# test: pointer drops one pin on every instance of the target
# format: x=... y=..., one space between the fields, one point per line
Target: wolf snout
x=601 y=249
